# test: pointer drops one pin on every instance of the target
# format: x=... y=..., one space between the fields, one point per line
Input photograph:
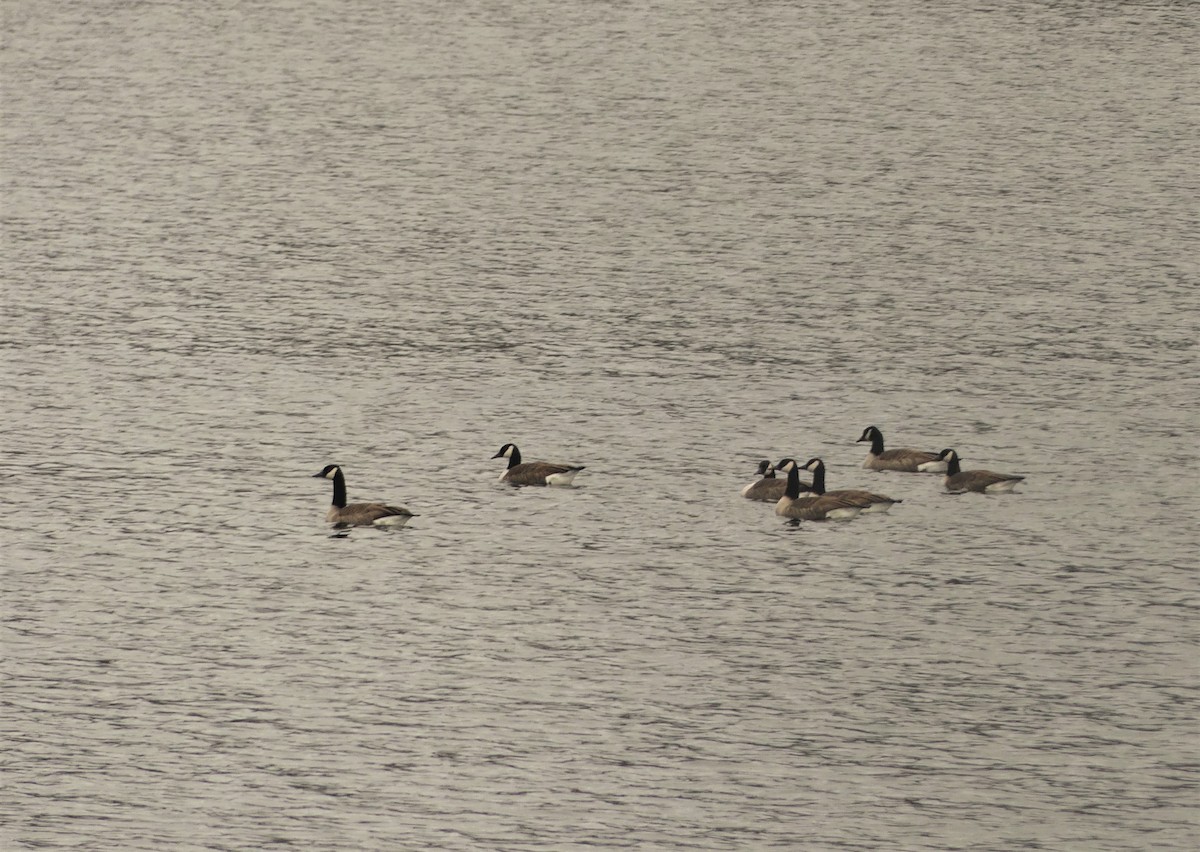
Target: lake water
x=663 y=240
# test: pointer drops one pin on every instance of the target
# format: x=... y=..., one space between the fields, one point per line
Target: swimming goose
x=914 y=461
x=959 y=480
x=865 y=500
x=534 y=473
x=807 y=506
x=359 y=514
x=768 y=488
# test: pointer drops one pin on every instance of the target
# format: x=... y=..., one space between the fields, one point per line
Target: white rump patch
x=876 y=508
x=1002 y=487
x=393 y=521
x=561 y=478
x=843 y=514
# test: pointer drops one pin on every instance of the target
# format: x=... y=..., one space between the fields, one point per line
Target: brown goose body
x=368 y=514
x=769 y=488
x=343 y=514
x=866 y=500
x=983 y=481
x=534 y=473
x=907 y=460
x=804 y=505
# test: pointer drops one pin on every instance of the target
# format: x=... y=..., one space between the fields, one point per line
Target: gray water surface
x=242 y=241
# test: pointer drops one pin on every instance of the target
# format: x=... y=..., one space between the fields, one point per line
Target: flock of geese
x=810 y=501
x=794 y=499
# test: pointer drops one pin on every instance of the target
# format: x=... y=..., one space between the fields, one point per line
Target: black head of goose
x=768 y=488
x=342 y=514
x=912 y=461
x=800 y=503
x=865 y=500
x=534 y=473
x=984 y=481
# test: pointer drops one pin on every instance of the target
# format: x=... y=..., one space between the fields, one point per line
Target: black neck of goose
x=515 y=458
x=876 y=442
x=952 y=468
x=769 y=473
x=818 y=483
x=339 y=490
x=793 y=484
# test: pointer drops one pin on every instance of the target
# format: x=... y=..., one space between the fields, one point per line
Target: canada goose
x=359 y=514
x=867 y=501
x=534 y=473
x=807 y=506
x=959 y=480
x=914 y=461
x=768 y=488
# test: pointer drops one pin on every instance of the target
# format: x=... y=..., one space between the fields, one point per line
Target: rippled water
x=242 y=241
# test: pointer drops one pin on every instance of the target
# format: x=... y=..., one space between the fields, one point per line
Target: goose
x=359 y=514
x=534 y=473
x=768 y=488
x=867 y=501
x=913 y=461
x=807 y=506
x=959 y=480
